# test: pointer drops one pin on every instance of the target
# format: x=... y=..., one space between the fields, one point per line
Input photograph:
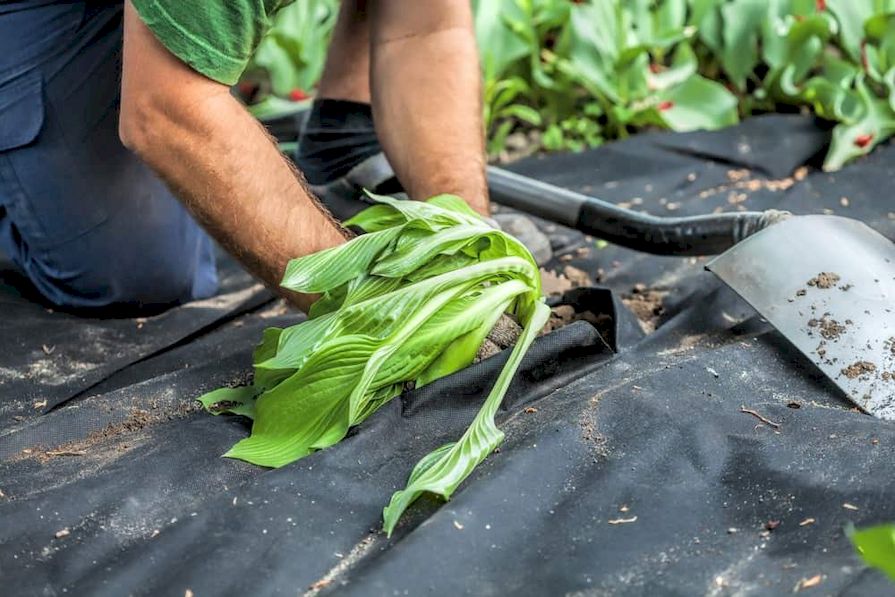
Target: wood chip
x=622 y=520
x=63 y=533
x=807 y=583
x=65 y=452
x=48 y=350
x=623 y=508
x=807 y=521
x=764 y=420
x=320 y=584
x=40 y=404
x=848 y=506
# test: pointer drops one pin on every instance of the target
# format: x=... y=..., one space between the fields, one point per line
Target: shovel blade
x=827 y=283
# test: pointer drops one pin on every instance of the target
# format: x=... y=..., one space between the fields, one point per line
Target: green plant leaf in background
x=859 y=137
x=697 y=103
x=876 y=546
x=570 y=75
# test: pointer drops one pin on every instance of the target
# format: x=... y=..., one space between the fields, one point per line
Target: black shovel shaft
x=680 y=236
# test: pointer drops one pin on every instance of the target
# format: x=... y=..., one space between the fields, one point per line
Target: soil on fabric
x=646 y=304
x=95 y=442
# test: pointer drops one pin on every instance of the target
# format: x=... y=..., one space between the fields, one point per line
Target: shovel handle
x=679 y=236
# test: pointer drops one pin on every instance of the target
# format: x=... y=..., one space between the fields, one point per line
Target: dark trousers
x=87 y=222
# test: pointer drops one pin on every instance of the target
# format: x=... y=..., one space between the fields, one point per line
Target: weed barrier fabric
x=625 y=471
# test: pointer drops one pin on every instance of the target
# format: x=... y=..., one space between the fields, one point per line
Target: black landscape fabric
x=630 y=466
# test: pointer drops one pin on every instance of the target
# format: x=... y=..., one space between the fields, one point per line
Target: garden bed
x=704 y=456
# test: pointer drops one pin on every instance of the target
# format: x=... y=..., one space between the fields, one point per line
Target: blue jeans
x=89 y=224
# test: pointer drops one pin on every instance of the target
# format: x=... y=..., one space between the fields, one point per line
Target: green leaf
x=505 y=47
x=333 y=267
x=854 y=139
x=442 y=471
x=876 y=546
x=235 y=401
x=696 y=104
x=683 y=66
x=742 y=22
x=851 y=15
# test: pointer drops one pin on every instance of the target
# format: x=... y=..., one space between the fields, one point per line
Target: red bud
x=666 y=105
x=863 y=141
x=297 y=95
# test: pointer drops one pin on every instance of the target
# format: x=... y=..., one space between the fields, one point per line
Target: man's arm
x=218 y=160
x=426 y=90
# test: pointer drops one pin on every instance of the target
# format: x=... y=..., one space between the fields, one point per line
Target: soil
x=592 y=437
x=829 y=329
x=577 y=277
x=646 y=304
x=824 y=280
x=137 y=421
x=504 y=334
x=553 y=284
x=740 y=180
x=858 y=369
x=563 y=315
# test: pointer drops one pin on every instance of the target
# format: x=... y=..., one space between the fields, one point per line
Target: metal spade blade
x=827 y=283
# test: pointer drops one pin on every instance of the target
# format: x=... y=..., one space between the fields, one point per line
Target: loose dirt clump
x=824 y=280
x=829 y=329
x=646 y=304
x=553 y=284
x=577 y=277
x=858 y=369
x=563 y=315
x=504 y=334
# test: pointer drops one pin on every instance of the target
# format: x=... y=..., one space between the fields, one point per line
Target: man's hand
x=218 y=159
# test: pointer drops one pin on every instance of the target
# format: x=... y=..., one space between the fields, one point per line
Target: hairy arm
x=426 y=92
x=218 y=160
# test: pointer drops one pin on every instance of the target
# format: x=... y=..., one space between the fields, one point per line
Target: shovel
x=827 y=283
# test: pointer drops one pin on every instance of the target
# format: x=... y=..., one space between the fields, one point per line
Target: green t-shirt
x=215 y=37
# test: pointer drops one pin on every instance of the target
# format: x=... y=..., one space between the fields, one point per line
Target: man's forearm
x=218 y=160
x=426 y=88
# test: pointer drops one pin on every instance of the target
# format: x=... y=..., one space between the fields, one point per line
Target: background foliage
x=567 y=75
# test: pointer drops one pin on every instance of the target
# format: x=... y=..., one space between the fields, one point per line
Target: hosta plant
x=876 y=546
x=408 y=302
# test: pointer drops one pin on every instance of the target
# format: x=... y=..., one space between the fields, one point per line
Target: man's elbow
x=137 y=119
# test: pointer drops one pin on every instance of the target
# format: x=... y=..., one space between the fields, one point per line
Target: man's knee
x=142 y=269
